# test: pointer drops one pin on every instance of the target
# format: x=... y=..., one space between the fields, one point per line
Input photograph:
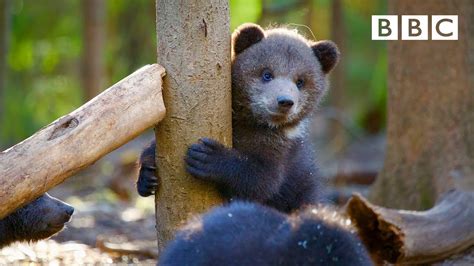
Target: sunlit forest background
x=46 y=46
x=59 y=54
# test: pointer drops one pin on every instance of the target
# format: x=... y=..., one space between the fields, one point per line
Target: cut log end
x=399 y=236
x=383 y=239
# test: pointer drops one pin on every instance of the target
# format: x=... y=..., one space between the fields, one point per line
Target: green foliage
x=131 y=37
x=44 y=58
x=366 y=65
x=52 y=97
x=42 y=83
x=244 y=11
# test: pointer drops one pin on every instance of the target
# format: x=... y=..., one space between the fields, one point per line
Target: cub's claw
x=210 y=143
x=203 y=158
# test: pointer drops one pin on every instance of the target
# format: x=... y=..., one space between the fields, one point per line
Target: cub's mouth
x=280 y=116
x=277 y=112
x=55 y=228
x=277 y=119
x=47 y=232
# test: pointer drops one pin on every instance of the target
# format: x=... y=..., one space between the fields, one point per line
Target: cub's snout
x=285 y=102
x=37 y=220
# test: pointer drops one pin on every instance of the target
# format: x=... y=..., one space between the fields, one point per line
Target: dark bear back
x=252 y=234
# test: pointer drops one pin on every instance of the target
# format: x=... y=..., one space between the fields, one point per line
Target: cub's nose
x=285 y=102
x=69 y=211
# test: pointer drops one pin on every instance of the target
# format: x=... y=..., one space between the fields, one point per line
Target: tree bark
x=76 y=140
x=338 y=34
x=194 y=47
x=430 y=137
x=93 y=43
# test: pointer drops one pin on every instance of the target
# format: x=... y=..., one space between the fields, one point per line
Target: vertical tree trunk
x=194 y=47
x=430 y=145
x=337 y=96
x=4 y=32
x=338 y=33
x=93 y=43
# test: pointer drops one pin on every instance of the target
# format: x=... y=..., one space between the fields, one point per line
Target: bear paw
x=205 y=159
x=147 y=182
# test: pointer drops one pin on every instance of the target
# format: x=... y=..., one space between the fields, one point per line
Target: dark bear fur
x=278 y=78
x=37 y=220
x=147 y=182
x=251 y=234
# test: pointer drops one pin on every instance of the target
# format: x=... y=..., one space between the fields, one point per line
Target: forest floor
x=111 y=224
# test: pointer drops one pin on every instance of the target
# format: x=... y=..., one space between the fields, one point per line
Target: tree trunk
x=194 y=47
x=4 y=32
x=338 y=33
x=76 y=140
x=430 y=138
x=93 y=43
x=337 y=95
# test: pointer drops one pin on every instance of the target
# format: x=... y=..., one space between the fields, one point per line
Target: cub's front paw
x=205 y=159
x=147 y=182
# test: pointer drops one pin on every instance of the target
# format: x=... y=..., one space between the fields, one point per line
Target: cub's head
x=278 y=76
x=37 y=220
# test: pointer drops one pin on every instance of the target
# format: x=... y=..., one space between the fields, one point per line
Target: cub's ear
x=327 y=53
x=245 y=36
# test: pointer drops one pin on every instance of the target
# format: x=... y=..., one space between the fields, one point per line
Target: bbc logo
x=414 y=27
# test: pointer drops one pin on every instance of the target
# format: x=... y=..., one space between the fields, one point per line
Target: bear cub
x=37 y=220
x=251 y=234
x=278 y=78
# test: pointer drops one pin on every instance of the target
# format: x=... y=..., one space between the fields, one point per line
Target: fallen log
x=407 y=237
x=75 y=141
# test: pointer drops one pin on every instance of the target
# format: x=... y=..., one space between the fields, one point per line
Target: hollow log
x=407 y=237
x=74 y=141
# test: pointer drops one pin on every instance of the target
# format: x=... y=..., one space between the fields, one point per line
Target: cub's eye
x=267 y=76
x=299 y=83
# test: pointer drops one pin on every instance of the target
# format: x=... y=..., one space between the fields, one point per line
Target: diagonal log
x=399 y=236
x=75 y=141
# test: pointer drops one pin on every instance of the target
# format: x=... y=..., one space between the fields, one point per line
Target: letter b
x=414 y=27
x=385 y=27
x=384 y=24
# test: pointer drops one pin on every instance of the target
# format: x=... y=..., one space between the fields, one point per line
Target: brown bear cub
x=37 y=220
x=278 y=78
x=251 y=234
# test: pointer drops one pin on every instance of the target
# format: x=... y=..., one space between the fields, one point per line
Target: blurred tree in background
x=93 y=27
x=47 y=54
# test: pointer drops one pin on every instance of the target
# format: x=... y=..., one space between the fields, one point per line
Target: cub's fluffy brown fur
x=278 y=78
